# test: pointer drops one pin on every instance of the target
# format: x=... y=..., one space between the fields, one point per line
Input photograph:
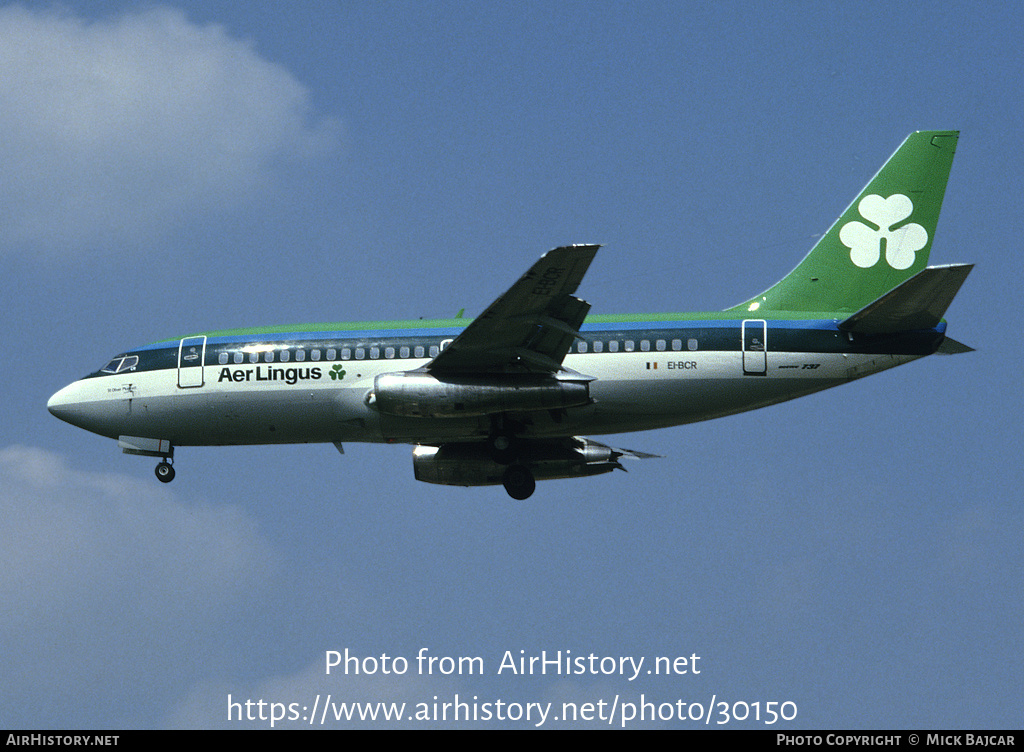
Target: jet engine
x=470 y=464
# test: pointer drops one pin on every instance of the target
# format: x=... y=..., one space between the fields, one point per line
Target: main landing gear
x=165 y=472
x=519 y=482
x=504 y=448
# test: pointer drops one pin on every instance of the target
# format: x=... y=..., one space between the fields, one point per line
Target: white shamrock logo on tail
x=901 y=243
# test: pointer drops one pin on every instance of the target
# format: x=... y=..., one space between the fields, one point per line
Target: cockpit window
x=120 y=364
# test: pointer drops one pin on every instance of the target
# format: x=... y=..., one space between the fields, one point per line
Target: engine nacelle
x=422 y=395
x=471 y=464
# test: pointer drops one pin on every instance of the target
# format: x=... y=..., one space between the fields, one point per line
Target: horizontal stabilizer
x=632 y=454
x=950 y=346
x=918 y=303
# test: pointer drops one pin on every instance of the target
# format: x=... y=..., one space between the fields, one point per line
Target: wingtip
x=951 y=346
x=576 y=248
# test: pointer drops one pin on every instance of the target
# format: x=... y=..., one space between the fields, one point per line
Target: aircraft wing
x=529 y=328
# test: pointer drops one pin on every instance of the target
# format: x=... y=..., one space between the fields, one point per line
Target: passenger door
x=755 y=347
x=191 y=354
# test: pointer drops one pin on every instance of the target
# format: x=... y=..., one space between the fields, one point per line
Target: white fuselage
x=297 y=402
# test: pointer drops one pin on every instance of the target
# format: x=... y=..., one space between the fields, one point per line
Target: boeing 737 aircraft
x=508 y=397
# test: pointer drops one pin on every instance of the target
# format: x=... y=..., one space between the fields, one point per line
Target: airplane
x=510 y=397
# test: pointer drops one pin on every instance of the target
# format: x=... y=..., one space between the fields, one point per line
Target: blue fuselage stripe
x=799 y=335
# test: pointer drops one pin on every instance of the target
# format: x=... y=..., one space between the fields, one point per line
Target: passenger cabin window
x=691 y=344
x=598 y=346
x=238 y=357
x=374 y=353
x=314 y=355
x=268 y=356
x=645 y=345
x=300 y=355
x=583 y=347
x=254 y=357
x=613 y=346
x=677 y=344
x=433 y=351
x=332 y=354
x=360 y=353
x=389 y=352
x=222 y=358
x=419 y=351
x=403 y=352
x=285 y=356
x=659 y=345
x=346 y=353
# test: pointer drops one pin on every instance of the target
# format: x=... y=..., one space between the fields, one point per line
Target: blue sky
x=186 y=166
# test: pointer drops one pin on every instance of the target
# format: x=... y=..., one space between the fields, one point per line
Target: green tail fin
x=880 y=241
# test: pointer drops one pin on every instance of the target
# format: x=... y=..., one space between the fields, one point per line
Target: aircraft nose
x=65 y=405
x=74 y=405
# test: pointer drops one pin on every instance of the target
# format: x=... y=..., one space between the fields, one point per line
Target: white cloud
x=104 y=578
x=115 y=131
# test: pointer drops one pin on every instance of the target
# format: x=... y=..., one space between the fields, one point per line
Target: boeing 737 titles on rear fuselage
x=508 y=397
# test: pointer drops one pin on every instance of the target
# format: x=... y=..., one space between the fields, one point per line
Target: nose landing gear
x=147 y=447
x=165 y=472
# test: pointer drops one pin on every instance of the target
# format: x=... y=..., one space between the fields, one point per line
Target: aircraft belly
x=152 y=405
x=623 y=408
x=271 y=416
x=660 y=391
x=407 y=430
x=633 y=395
